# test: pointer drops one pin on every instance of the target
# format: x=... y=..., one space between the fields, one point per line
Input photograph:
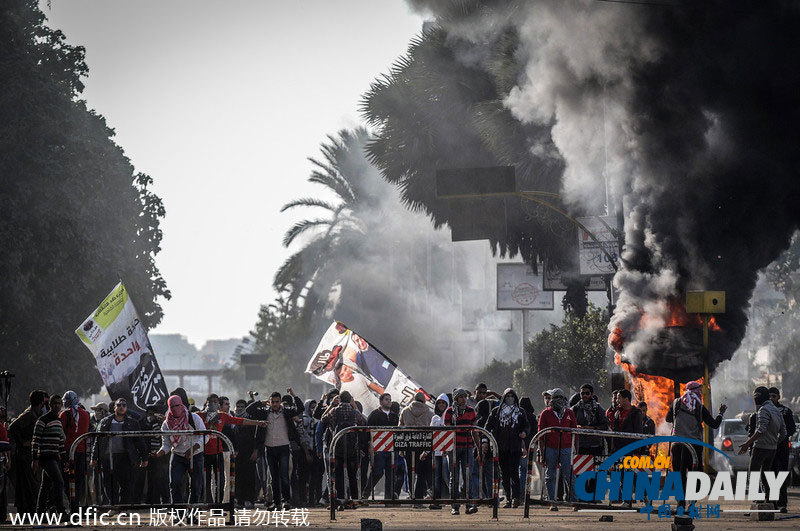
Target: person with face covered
x=75 y=422
x=556 y=446
x=509 y=425
x=687 y=415
x=186 y=450
x=217 y=420
x=770 y=429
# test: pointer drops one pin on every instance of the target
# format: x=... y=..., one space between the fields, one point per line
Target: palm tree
x=309 y=276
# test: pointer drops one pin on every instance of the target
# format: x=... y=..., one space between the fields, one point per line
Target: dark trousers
x=316 y=471
x=682 y=460
x=382 y=466
x=80 y=480
x=761 y=461
x=509 y=470
x=278 y=461
x=215 y=465
x=439 y=484
x=351 y=462
x=301 y=472
x=422 y=474
x=781 y=464
x=245 y=476
x=158 y=480
x=26 y=486
x=118 y=479
x=178 y=467
x=51 y=489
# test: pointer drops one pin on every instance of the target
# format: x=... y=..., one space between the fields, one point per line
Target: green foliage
x=566 y=356
x=75 y=217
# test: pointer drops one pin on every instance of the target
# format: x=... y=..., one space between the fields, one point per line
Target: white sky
x=221 y=102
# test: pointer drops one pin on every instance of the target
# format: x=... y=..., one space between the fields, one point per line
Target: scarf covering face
x=589 y=410
x=71 y=402
x=692 y=397
x=177 y=421
x=558 y=401
x=509 y=414
x=212 y=413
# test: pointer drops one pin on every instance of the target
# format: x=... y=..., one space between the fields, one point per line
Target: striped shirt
x=48 y=437
x=467 y=418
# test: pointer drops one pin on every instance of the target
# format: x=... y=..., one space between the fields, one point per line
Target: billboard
x=519 y=288
x=553 y=280
x=593 y=256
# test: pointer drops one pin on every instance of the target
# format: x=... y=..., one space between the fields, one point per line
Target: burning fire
x=657 y=391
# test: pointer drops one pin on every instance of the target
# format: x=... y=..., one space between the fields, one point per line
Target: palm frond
x=309 y=202
x=300 y=227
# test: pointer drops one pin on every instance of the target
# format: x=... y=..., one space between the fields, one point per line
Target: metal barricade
x=331 y=468
x=533 y=449
x=230 y=506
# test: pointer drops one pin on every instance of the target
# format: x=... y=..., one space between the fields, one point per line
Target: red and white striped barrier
x=382 y=440
x=444 y=441
x=582 y=463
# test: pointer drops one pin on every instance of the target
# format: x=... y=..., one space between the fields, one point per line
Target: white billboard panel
x=518 y=288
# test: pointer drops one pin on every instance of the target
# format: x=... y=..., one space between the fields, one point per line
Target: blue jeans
x=278 y=460
x=463 y=457
x=178 y=466
x=382 y=466
x=441 y=477
x=552 y=459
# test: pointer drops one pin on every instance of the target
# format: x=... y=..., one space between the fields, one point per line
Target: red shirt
x=467 y=418
x=213 y=445
x=554 y=439
x=3 y=433
x=75 y=428
x=623 y=414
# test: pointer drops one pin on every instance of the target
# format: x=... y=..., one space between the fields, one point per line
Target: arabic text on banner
x=125 y=359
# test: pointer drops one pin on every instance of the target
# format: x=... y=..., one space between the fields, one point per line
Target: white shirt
x=185 y=441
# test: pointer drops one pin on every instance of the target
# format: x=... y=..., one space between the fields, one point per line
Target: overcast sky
x=221 y=102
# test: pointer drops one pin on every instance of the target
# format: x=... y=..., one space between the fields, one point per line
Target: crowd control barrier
x=414 y=439
x=96 y=435
x=533 y=449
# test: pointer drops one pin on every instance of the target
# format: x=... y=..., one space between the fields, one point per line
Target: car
x=732 y=433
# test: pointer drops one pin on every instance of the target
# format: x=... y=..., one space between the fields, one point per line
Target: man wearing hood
x=556 y=446
x=75 y=422
x=770 y=428
x=460 y=414
x=441 y=467
x=509 y=425
x=417 y=413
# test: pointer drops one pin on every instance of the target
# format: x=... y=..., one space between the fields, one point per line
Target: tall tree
x=75 y=217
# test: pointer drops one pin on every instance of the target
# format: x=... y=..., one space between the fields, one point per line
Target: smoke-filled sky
x=221 y=103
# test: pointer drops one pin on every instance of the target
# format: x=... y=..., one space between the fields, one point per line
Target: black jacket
x=137 y=448
x=508 y=437
x=600 y=423
x=633 y=423
x=258 y=411
x=379 y=418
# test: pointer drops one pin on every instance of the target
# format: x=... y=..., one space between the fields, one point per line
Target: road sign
x=413 y=440
x=593 y=254
x=518 y=288
x=553 y=280
x=382 y=440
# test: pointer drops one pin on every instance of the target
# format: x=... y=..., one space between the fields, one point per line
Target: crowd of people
x=280 y=447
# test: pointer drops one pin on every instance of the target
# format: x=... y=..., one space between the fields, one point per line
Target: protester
x=49 y=456
x=20 y=433
x=280 y=430
x=781 y=461
x=336 y=419
x=508 y=423
x=75 y=422
x=417 y=413
x=648 y=424
x=316 y=470
x=441 y=464
x=483 y=475
x=591 y=416
x=460 y=414
x=770 y=429
x=546 y=398
x=627 y=419
x=99 y=412
x=556 y=447
x=157 y=471
x=533 y=423
x=187 y=452
x=215 y=419
x=382 y=460
x=482 y=392
x=687 y=415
